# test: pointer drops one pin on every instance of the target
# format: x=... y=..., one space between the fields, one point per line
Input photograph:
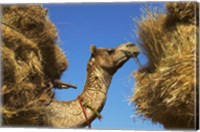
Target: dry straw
x=30 y=57
x=165 y=87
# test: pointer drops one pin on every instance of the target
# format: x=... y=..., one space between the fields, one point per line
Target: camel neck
x=97 y=83
x=70 y=114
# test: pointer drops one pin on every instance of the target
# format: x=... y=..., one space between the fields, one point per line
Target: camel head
x=111 y=59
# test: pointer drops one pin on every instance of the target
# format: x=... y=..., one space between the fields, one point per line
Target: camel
x=33 y=64
x=101 y=67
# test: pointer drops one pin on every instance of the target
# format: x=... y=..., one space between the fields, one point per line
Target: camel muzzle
x=130 y=49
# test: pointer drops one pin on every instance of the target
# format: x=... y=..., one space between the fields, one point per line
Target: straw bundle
x=182 y=12
x=30 y=57
x=165 y=87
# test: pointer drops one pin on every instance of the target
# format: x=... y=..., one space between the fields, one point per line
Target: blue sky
x=105 y=25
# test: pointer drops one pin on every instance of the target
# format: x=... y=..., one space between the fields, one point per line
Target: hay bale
x=30 y=57
x=165 y=87
x=182 y=12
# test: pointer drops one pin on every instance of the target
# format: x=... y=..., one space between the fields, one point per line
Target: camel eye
x=111 y=51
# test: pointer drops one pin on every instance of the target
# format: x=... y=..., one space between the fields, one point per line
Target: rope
x=84 y=112
x=99 y=116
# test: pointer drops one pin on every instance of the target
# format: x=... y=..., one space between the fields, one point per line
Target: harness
x=84 y=104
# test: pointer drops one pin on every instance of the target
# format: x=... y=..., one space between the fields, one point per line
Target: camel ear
x=93 y=49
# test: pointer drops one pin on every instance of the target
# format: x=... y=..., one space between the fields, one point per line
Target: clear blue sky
x=105 y=25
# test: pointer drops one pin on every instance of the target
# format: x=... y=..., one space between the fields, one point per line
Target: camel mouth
x=124 y=52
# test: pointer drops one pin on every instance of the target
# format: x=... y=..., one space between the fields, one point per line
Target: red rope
x=84 y=112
